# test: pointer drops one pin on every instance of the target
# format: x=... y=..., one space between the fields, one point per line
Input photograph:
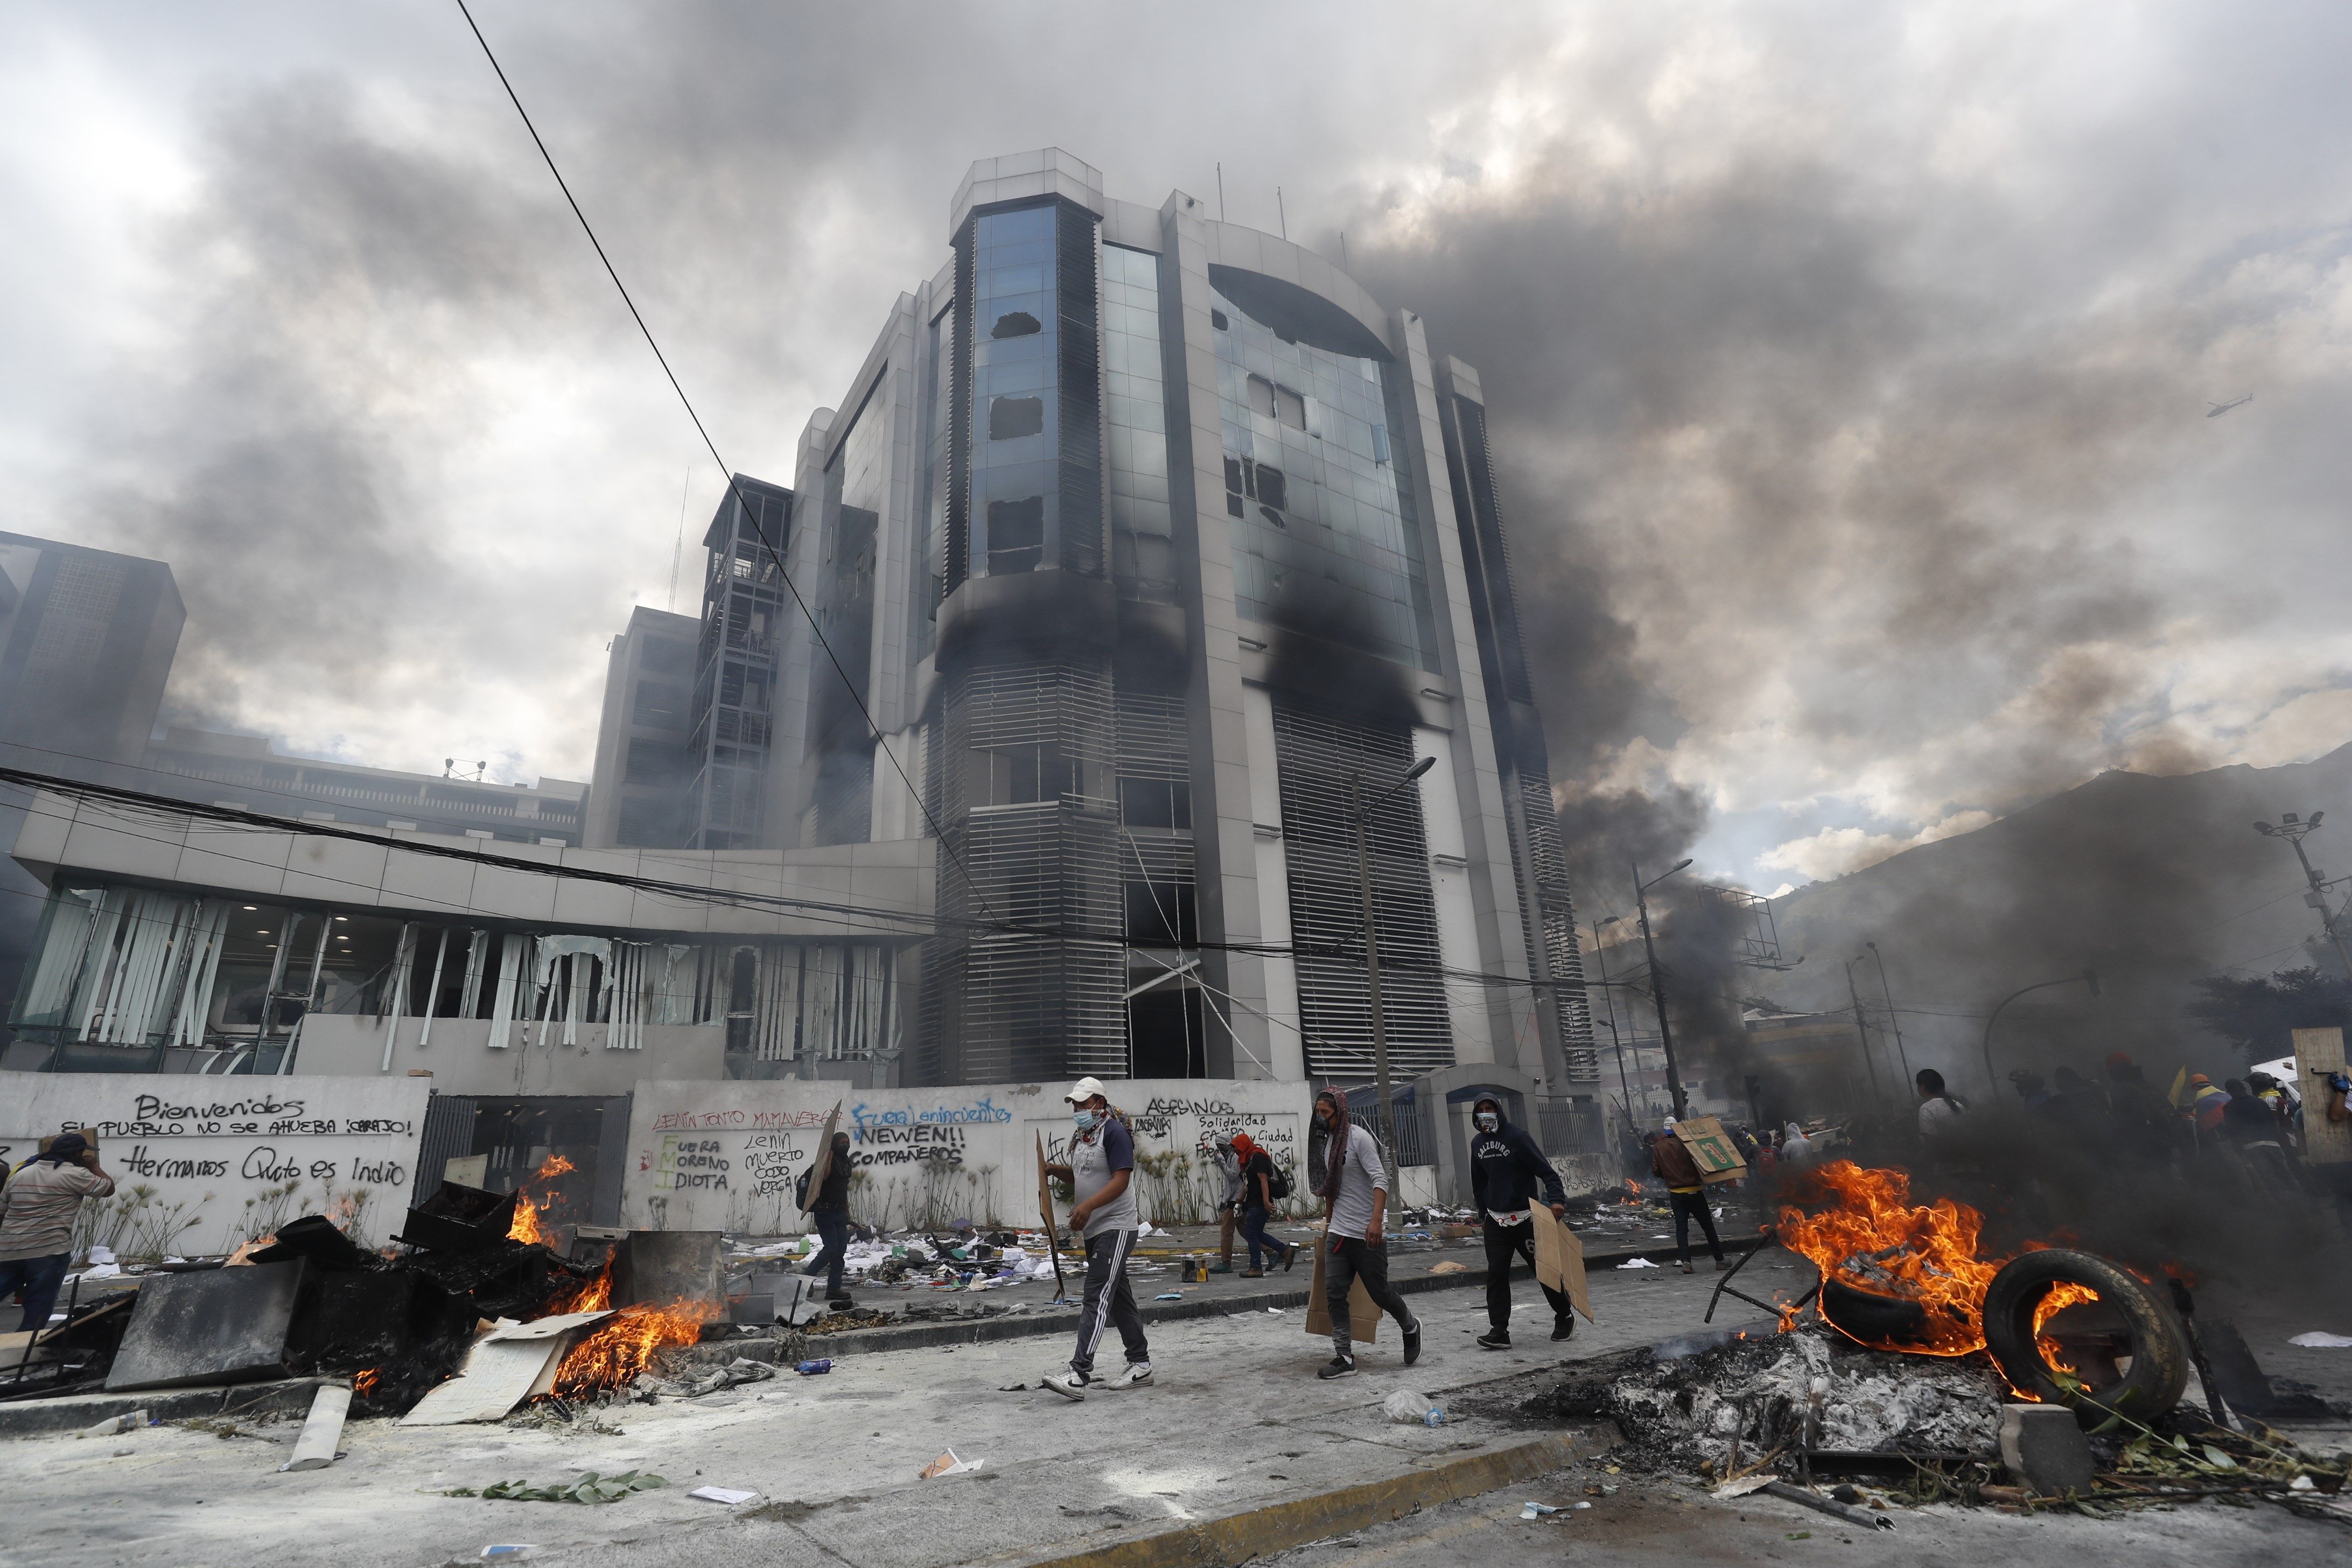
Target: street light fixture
x=1361 y=813
x=2292 y=829
x=2089 y=977
x=1658 y=981
x=1891 y=1019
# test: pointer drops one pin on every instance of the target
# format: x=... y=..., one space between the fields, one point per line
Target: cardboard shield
x=2317 y=1053
x=1711 y=1149
x=824 y=1166
x=1559 y=1261
x=1363 y=1318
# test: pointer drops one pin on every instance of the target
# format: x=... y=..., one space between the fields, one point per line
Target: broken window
x=1155 y=803
x=1020 y=775
x=1290 y=408
x=1261 y=395
x=1272 y=488
x=1233 y=475
x=1010 y=419
x=1014 y=325
x=1016 y=534
x=1273 y=517
x=1163 y=915
x=1217 y=320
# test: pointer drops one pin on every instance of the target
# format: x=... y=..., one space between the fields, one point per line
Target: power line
x=743 y=501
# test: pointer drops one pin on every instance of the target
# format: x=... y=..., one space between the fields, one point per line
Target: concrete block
x=2044 y=1445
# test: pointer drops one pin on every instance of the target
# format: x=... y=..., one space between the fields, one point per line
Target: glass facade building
x=1143 y=547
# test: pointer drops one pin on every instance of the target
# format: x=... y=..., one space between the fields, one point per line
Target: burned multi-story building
x=1139 y=547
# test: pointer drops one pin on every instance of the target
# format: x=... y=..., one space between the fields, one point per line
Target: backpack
x=1278 y=1181
x=801 y=1188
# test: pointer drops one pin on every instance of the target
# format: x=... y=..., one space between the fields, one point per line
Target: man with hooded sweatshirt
x=38 y=1210
x=1507 y=1175
x=1354 y=1192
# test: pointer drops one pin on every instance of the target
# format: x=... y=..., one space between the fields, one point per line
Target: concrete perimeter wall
x=724 y=1156
x=203 y=1163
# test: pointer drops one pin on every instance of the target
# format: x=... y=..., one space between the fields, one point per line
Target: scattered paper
x=947 y=1464
x=2320 y=1342
x=1449 y=1266
x=1745 y=1484
x=1535 y=1510
x=727 y=1495
x=1638 y=1263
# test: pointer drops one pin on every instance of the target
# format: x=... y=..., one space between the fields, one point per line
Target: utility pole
x=1860 y=1033
x=1362 y=813
x=1658 y=985
x=1601 y=958
x=2292 y=830
x=1894 y=1021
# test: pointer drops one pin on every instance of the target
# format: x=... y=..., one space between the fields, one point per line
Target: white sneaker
x=1069 y=1385
x=1137 y=1376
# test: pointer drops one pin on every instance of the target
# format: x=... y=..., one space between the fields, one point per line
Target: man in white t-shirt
x=1939 y=1110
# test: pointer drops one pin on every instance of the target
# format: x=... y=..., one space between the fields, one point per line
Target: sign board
x=1711 y=1148
x=202 y=1165
x=2317 y=1053
x=1363 y=1317
x=1559 y=1261
x=823 y=1166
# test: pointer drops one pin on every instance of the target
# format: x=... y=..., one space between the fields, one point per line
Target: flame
x=1633 y=1186
x=1875 y=1239
x=363 y=1383
x=526 y=1226
x=620 y=1346
x=2062 y=1295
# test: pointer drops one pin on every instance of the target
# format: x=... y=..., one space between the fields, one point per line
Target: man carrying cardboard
x=1672 y=1162
x=1354 y=1187
x=1101 y=1172
x=1508 y=1175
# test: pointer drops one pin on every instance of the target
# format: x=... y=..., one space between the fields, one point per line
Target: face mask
x=1489 y=1122
x=1084 y=1119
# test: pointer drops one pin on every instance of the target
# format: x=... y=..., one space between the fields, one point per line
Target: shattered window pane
x=1014 y=325
x=1016 y=534
x=1271 y=487
x=1290 y=408
x=1010 y=419
x=1261 y=395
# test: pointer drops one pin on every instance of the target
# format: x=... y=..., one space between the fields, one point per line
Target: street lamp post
x=1362 y=813
x=2292 y=829
x=1877 y=1097
x=1617 y=1040
x=1658 y=982
x=1895 y=1022
x=2089 y=977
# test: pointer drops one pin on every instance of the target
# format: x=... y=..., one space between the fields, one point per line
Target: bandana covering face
x=1338 y=1126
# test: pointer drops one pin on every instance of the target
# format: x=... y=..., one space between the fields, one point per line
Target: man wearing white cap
x=1101 y=1172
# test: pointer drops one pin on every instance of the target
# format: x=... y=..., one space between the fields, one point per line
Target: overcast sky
x=1849 y=363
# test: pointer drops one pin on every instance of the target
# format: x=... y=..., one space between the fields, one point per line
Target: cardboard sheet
x=1711 y=1147
x=2317 y=1053
x=1363 y=1318
x=822 y=1167
x=508 y=1365
x=1559 y=1261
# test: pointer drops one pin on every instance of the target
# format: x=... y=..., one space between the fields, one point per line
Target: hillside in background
x=2152 y=882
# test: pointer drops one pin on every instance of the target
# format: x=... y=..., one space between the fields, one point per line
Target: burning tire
x=2150 y=1337
x=1871 y=1318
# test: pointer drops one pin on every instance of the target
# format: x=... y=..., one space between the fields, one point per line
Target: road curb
x=44 y=1417
x=1032 y=1325
x=1237 y=1537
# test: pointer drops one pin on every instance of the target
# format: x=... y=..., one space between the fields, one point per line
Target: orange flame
x=2062 y=1295
x=620 y=1346
x=363 y=1383
x=526 y=1227
x=1875 y=1239
x=1633 y=1186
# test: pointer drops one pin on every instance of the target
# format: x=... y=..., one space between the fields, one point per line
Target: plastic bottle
x=508 y=1554
x=1434 y=1416
x=811 y=1368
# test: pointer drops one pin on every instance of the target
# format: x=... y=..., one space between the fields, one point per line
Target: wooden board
x=1363 y=1318
x=823 y=1165
x=2317 y=1053
x=1559 y=1261
x=1045 y=1197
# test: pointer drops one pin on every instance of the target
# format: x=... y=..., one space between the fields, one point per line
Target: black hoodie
x=1506 y=1169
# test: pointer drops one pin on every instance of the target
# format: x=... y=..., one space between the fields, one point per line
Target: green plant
x=264 y=1212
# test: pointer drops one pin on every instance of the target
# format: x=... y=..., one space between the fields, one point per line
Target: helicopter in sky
x=2215 y=410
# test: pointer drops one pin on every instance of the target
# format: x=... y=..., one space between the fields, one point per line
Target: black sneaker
x=1290 y=1258
x=1338 y=1366
x=1494 y=1340
x=1413 y=1344
x=1562 y=1326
